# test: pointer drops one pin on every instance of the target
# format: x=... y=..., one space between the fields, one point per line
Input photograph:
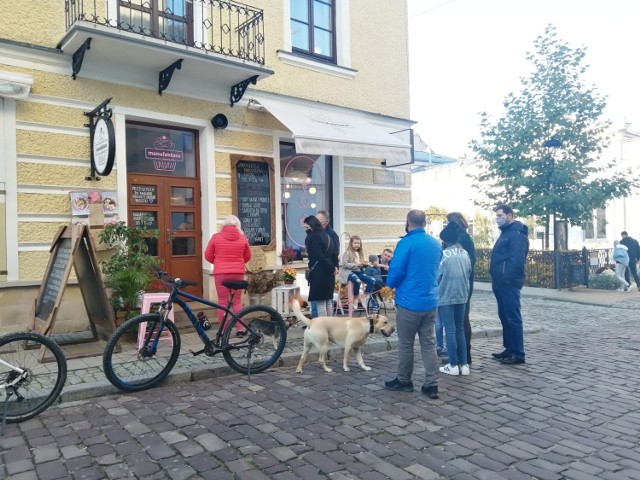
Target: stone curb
x=179 y=375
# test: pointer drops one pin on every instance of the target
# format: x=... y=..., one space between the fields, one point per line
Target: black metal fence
x=224 y=27
x=548 y=269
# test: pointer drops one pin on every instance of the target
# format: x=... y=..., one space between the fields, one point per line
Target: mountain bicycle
x=135 y=368
x=27 y=386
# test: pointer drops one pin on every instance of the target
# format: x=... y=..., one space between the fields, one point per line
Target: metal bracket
x=237 y=90
x=165 y=75
x=100 y=111
x=78 y=57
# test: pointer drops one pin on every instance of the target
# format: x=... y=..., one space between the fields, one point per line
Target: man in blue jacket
x=507 y=269
x=413 y=272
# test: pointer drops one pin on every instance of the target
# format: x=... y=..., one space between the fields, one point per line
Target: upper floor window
x=596 y=228
x=313 y=29
x=166 y=19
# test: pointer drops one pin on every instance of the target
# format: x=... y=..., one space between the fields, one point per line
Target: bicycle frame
x=210 y=347
x=15 y=369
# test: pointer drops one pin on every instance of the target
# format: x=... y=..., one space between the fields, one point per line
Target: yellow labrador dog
x=350 y=332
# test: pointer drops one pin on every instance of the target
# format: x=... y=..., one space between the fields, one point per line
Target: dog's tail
x=295 y=306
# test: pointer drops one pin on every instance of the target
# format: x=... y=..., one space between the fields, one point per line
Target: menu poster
x=144 y=194
x=79 y=203
x=110 y=203
x=253 y=200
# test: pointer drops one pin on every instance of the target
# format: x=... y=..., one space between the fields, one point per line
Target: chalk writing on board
x=144 y=194
x=254 y=201
x=54 y=280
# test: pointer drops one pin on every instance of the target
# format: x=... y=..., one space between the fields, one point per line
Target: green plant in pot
x=129 y=270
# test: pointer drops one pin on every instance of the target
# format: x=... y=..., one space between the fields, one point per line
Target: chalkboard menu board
x=254 y=198
x=73 y=246
x=55 y=280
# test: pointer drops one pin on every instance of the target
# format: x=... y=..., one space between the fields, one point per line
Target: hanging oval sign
x=104 y=146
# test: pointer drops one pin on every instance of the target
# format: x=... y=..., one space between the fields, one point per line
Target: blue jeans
x=508 y=300
x=356 y=277
x=408 y=324
x=314 y=309
x=439 y=336
x=453 y=320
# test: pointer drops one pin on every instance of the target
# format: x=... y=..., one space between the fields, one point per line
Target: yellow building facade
x=314 y=95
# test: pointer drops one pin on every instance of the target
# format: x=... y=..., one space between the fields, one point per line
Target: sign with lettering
x=103 y=146
x=144 y=194
x=253 y=198
x=73 y=246
x=164 y=154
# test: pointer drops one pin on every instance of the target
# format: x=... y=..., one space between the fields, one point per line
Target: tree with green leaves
x=554 y=109
x=435 y=213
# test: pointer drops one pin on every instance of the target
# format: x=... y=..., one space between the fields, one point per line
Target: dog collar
x=370 y=324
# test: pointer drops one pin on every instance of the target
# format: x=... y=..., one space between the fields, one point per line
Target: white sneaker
x=449 y=370
x=464 y=370
x=620 y=290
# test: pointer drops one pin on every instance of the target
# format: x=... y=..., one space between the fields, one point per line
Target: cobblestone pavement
x=569 y=413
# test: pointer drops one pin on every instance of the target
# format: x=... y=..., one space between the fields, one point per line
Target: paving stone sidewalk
x=569 y=413
x=86 y=378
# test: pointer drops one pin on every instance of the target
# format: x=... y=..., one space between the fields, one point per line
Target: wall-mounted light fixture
x=15 y=85
x=219 y=121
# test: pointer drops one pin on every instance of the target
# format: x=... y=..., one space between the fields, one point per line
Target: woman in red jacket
x=228 y=251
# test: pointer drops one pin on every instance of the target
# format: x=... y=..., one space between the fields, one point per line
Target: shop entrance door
x=172 y=206
x=163 y=186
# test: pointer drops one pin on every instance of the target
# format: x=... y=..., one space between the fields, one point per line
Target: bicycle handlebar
x=177 y=282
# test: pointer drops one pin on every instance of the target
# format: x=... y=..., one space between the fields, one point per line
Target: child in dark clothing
x=373 y=270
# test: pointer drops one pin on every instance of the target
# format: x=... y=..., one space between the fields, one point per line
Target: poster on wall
x=79 y=203
x=110 y=203
x=94 y=207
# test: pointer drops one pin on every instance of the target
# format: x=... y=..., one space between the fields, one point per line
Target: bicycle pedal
x=199 y=352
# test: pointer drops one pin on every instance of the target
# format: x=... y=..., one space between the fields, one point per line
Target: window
x=161 y=151
x=596 y=228
x=306 y=181
x=313 y=28
x=166 y=19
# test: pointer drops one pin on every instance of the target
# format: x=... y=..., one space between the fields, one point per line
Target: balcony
x=217 y=46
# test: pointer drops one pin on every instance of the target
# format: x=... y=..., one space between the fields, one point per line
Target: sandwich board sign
x=73 y=246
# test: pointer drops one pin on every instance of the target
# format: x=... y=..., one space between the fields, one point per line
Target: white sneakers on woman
x=455 y=369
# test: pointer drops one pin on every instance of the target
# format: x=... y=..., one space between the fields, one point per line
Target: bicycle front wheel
x=141 y=362
x=261 y=346
x=25 y=395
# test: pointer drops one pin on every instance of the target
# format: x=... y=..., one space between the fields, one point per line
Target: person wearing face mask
x=507 y=270
x=322 y=269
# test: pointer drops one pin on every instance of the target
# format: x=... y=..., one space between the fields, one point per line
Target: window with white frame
x=317 y=36
x=596 y=228
x=313 y=28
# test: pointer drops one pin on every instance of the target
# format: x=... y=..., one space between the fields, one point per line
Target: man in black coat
x=507 y=270
x=633 y=249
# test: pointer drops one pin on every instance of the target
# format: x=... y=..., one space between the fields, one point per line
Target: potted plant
x=128 y=271
x=289 y=275
x=260 y=282
x=288 y=255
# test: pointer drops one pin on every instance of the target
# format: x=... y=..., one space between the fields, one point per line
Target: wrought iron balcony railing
x=223 y=27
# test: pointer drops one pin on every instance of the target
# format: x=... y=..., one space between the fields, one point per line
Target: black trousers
x=633 y=268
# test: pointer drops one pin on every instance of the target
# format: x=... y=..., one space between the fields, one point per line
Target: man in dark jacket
x=633 y=249
x=507 y=278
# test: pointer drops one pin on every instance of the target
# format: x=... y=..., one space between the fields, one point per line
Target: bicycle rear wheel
x=263 y=344
x=26 y=395
x=140 y=366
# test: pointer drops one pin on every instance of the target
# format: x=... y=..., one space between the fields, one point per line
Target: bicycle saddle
x=236 y=284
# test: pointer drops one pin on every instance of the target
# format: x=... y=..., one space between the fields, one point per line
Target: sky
x=466 y=56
